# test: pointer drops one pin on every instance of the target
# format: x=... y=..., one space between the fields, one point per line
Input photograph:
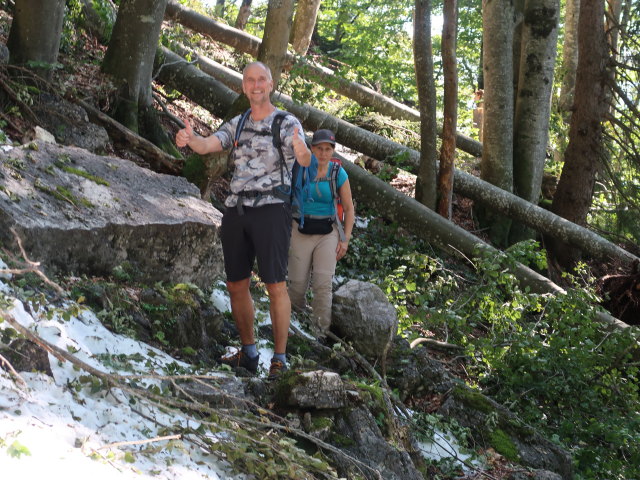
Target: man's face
x=257 y=84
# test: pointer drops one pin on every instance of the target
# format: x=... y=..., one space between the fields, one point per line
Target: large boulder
x=362 y=315
x=493 y=426
x=77 y=212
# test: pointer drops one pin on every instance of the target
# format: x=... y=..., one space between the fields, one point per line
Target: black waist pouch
x=315 y=226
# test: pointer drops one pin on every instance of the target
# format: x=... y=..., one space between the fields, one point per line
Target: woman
x=324 y=239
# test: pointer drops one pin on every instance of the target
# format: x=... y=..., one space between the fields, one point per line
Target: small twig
x=31 y=266
x=26 y=109
x=141 y=442
x=435 y=344
x=168 y=64
x=7 y=364
x=11 y=124
x=166 y=111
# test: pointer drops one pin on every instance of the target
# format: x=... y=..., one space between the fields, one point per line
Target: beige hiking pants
x=312 y=260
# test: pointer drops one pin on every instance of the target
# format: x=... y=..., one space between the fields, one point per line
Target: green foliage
x=17 y=450
x=394 y=261
x=543 y=356
x=563 y=372
x=370 y=43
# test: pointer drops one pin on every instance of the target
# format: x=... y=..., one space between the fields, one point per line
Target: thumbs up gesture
x=184 y=136
x=299 y=146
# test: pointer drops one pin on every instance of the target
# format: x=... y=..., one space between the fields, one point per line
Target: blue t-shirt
x=321 y=202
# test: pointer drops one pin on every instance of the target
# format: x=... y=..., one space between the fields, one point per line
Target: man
x=257 y=224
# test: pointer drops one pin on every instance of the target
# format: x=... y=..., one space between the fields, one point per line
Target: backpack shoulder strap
x=276 y=124
x=275 y=128
x=239 y=127
x=333 y=179
x=333 y=184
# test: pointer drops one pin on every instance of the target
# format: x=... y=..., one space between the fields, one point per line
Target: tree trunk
x=273 y=49
x=448 y=152
x=35 y=34
x=100 y=23
x=243 y=14
x=205 y=91
x=612 y=29
x=569 y=55
x=303 y=25
x=426 y=190
x=219 y=10
x=195 y=84
x=366 y=97
x=573 y=196
x=533 y=101
x=497 y=131
x=129 y=60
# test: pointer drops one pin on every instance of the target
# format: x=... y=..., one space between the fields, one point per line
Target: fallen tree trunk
x=376 y=146
x=245 y=43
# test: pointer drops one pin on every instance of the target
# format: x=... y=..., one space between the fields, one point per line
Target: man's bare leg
x=280 y=310
x=242 y=310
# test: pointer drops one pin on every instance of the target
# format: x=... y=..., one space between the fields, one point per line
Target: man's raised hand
x=299 y=146
x=185 y=135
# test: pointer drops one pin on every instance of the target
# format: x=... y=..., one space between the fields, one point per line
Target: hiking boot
x=240 y=359
x=276 y=369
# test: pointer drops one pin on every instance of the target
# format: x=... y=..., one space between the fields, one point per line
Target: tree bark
x=303 y=24
x=129 y=60
x=569 y=55
x=533 y=102
x=243 y=14
x=448 y=151
x=497 y=130
x=426 y=190
x=574 y=194
x=273 y=49
x=35 y=34
x=365 y=96
x=216 y=98
x=219 y=10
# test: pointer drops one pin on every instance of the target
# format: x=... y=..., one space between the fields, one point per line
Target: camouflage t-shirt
x=256 y=161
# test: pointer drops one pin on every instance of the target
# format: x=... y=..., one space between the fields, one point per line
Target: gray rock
x=26 y=356
x=362 y=315
x=492 y=425
x=319 y=390
x=364 y=441
x=83 y=213
x=70 y=124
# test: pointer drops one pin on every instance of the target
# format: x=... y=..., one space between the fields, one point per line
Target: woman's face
x=323 y=151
